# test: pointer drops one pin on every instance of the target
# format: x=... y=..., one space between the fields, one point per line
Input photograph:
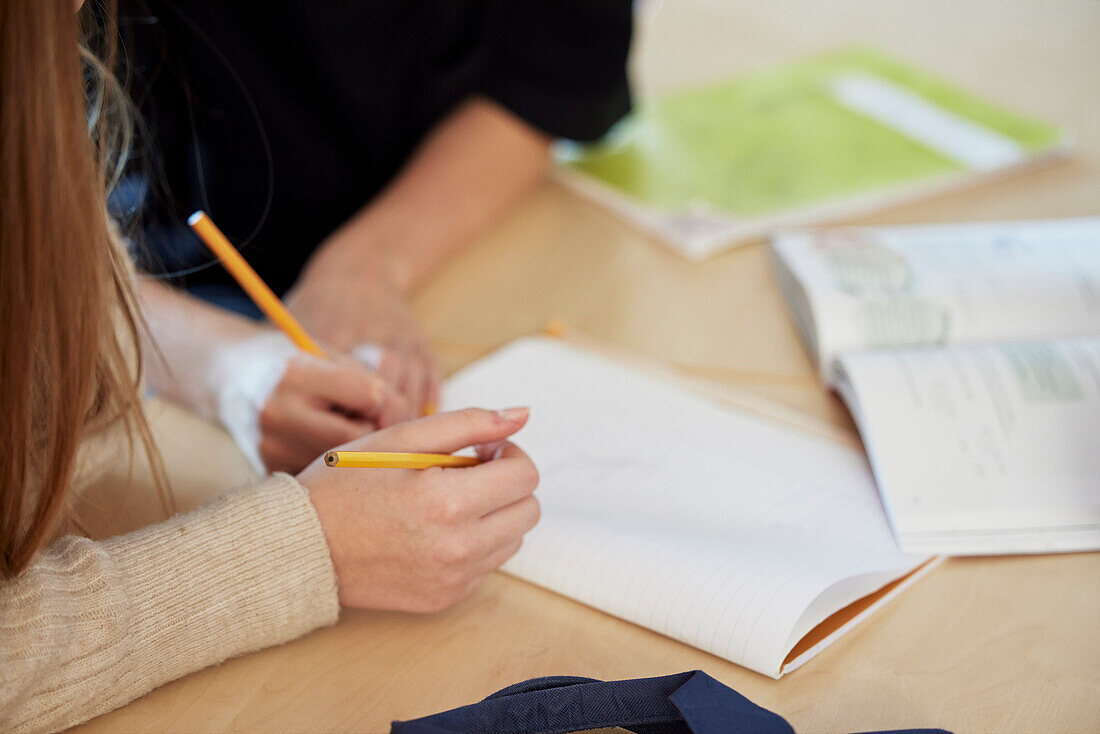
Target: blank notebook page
x=728 y=532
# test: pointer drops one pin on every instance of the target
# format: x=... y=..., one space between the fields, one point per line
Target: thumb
x=447 y=432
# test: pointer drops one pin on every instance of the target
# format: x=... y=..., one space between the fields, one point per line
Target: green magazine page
x=824 y=129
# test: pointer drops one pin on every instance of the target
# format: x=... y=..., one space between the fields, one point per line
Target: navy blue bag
x=684 y=703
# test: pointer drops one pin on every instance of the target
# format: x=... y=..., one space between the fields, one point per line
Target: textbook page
x=857 y=288
x=979 y=450
x=725 y=531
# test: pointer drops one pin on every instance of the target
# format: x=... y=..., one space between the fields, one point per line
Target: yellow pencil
x=252 y=284
x=387 y=460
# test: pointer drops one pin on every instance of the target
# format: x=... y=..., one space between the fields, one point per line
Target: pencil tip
x=194 y=218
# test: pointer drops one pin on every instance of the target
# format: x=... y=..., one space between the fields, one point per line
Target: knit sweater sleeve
x=92 y=625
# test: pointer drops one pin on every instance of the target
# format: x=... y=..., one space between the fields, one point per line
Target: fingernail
x=514 y=415
x=486 y=451
x=499 y=452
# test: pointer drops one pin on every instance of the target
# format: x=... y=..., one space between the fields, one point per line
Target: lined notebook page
x=722 y=530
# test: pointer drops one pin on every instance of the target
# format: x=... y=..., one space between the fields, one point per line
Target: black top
x=281 y=119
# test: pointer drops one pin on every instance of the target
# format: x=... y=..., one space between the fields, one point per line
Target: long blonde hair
x=64 y=283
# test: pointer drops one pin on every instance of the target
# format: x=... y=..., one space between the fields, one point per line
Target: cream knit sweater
x=92 y=625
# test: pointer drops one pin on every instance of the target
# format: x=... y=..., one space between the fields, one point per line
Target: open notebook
x=746 y=538
x=969 y=356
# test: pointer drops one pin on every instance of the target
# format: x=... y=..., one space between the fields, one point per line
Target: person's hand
x=359 y=311
x=318 y=404
x=421 y=540
x=284 y=407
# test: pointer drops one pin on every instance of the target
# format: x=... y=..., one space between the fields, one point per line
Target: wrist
x=240 y=379
x=354 y=254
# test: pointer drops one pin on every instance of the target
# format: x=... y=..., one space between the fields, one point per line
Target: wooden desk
x=1000 y=644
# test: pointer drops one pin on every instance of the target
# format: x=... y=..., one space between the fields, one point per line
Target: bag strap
x=684 y=703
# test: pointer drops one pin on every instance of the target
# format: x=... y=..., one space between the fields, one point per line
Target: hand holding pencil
x=422 y=540
x=285 y=405
x=421 y=386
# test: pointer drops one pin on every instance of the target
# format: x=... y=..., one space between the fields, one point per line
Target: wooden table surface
x=984 y=644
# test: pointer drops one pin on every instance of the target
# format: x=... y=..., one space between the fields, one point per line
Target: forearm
x=92 y=625
x=185 y=335
x=476 y=163
x=282 y=406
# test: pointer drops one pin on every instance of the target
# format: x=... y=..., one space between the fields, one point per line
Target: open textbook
x=819 y=139
x=736 y=534
x=969 y=356
x=983 y=449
